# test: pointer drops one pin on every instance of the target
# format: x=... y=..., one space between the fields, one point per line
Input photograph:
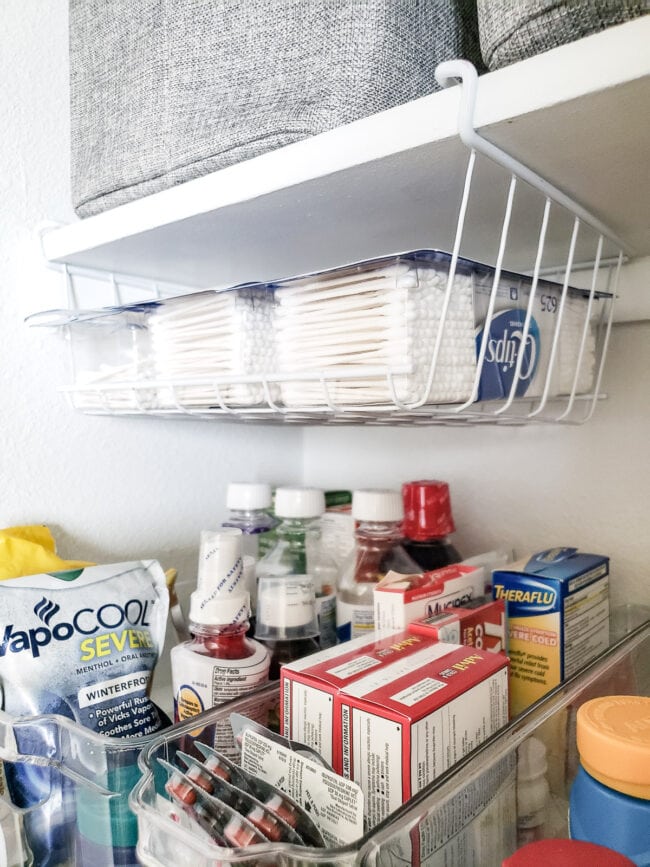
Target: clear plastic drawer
x=469 y=817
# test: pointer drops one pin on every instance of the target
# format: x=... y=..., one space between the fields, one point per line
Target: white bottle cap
x=299 y=503
x=377 y=505
x=248 y=496
x=220 y=597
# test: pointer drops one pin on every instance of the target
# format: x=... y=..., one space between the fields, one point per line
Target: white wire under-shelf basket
x=426 y=358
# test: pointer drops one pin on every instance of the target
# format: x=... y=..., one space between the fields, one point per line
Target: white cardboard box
x=404 y=725
x=308 y=686
x=401 y=599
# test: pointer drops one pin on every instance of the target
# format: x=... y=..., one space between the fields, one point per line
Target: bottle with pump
x=378 y=515
x=248 y=505
x=428 y=522
x=296 y=581
x=219 y=662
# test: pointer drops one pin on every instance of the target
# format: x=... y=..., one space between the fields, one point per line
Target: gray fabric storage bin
x=512 y=30
x=163 y=91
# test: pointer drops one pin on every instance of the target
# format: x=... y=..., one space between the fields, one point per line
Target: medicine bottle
x=219 y=663
x=378 y=515
x=532 y=791
x=248 y=504
x=296 y=581
x=609 y=802
x=428 y=523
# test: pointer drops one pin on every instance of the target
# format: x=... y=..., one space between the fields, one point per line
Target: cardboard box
x=337 y=526
x=557 y=618
x=308 y=686
x=480 y=624
x=401 y=599
x=403 y=726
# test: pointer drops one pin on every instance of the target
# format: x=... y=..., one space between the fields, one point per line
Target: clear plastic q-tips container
x=465 y=818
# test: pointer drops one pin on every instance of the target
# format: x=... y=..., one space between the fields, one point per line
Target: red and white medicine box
x=403 y=726
x=401 y=599
x=308 y=686
x=478 y=624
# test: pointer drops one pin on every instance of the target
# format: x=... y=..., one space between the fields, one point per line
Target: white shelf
x=577 y=115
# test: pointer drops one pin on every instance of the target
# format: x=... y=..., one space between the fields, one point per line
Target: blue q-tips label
x=504 y=343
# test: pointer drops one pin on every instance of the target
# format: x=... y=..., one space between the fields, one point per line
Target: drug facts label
x=311 y=716
x=335 y=804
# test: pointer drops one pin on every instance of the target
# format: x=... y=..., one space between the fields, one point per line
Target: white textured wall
x=528 y=488
x=111 y=489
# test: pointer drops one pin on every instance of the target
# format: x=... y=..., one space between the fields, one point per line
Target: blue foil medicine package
x=81 y=644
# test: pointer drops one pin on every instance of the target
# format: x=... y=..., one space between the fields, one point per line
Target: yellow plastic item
x=613 y=736
x=31 y=550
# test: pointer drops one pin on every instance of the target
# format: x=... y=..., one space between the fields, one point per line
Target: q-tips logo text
x=86 y=621
x=504 y=351
x=504 y=344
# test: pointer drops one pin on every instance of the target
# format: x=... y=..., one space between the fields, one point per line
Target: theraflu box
x=557 y=618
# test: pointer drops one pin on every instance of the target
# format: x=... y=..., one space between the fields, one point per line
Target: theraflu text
x=532 y=597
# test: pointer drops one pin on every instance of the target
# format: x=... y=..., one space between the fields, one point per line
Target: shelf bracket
x=452 y=72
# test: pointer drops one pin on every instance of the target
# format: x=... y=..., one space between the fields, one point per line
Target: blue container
x=610 y=797
x=610 y=818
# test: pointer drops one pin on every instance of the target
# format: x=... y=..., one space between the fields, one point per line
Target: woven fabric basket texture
x=512 y=30
x=163 y=91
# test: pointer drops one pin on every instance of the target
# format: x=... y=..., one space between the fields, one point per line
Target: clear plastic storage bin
x=389 y=337
x=108 y=347
x=466 y=818
x=76 y=801
x=84 y=815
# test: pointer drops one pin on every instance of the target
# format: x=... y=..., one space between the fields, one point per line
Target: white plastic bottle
x=249 y=504
x=533 y=792
x=296 y=581
x=219 y=663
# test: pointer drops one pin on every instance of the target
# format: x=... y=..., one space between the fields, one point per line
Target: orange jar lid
x=613 y=736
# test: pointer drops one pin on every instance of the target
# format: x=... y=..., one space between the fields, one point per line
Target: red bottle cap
x=427 y=510
x=566 y=853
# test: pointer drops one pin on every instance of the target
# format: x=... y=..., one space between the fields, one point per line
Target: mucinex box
x=481 y=624
x=403 y=726
x=308 y=686
x=401 y=599
x=557 y=618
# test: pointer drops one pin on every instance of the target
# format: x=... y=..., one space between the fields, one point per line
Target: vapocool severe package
x=83 y=644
